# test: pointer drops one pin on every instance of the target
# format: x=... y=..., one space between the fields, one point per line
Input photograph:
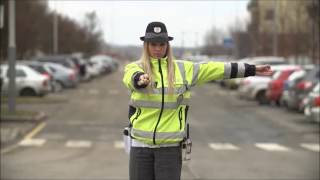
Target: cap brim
x=156 y=39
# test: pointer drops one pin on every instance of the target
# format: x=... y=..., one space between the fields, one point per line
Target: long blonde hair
x=146 y=65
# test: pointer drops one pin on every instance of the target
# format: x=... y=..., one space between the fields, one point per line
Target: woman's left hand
x=263 y=70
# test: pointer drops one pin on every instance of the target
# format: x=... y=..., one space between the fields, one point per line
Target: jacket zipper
x=180 y=117
x=162 y=103
x=137 y=115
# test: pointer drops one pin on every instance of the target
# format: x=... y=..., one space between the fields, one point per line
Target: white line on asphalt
x=271 y=147
x=78 y=144
x=311 y=146
x=223 y=146
x=93 y=91
x=113 y=92
x=32 y=142
x=118 y=144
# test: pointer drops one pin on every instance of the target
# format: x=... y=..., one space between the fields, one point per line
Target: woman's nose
x=158 y=47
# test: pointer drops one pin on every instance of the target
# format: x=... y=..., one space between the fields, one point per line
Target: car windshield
x=276 y=75
x=317 y=88
x=39 y=69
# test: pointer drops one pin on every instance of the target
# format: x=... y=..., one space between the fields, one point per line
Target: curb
x=39 y=124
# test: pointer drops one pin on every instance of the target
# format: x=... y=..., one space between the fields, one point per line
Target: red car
x=275 y=86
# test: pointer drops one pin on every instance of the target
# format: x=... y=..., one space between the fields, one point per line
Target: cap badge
x=157 y=29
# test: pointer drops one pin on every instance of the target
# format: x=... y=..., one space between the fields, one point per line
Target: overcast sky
x=123 y=22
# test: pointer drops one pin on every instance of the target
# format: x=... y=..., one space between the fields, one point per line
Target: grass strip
x=36 y=100
x=18 y=113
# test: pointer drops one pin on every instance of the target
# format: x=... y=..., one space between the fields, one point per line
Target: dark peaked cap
x=156 y=32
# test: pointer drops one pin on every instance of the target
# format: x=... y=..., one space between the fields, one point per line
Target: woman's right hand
x=143 y=80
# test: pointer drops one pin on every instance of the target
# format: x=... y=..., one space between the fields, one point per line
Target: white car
x=28 y=81
x=254 y=87
x=100 y=62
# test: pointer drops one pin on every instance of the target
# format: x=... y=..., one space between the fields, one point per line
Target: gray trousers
x=155 y=163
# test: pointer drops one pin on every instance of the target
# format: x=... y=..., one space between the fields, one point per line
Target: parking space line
x=118 y=144
x=311 y=146
x=35 y=130
x=32 y=142
x=78 y=144
x=271 y=147
x=223 y=146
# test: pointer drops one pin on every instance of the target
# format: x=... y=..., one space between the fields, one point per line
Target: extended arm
x=226 y=70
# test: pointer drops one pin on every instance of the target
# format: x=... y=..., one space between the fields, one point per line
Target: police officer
x=160 y=94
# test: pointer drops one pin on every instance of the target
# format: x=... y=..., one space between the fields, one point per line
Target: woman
x=160 y=92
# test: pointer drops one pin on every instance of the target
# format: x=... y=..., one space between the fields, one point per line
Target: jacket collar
x=162 y=60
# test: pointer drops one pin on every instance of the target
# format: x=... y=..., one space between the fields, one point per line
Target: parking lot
x=232 y=138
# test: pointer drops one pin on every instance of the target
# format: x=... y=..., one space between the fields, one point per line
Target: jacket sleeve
x=130 y=71
x=204 y=72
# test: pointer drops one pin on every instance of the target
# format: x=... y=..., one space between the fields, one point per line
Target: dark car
x=81 y=66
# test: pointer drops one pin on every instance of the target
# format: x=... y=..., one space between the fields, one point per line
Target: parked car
x=301 y=89
x=292 y=79
x=64 y=60
x=81 y=66
x=312 y=104
x=92 y=70
x=28 y=81
x=43 y=70
x=275 y=86
x=102 y=62
x=254 y=87
x=64 y=76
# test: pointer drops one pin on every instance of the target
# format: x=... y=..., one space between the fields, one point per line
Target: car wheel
x=262 y=98
x=28 y=92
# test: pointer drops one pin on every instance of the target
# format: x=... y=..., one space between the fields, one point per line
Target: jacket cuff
x=135 y=78
x=250 y=70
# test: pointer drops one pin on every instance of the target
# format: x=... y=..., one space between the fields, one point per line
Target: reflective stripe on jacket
x=160 y=118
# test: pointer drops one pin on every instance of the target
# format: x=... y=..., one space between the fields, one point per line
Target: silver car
x=64 y=76
x=28 y=81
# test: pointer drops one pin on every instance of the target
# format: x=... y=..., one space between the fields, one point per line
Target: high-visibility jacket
x=159 y=118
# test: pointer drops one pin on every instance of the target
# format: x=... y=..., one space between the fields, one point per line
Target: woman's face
x=157 y=50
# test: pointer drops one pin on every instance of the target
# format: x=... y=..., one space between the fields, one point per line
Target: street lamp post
x=12 y=57
x=275 y=29
x=55 y=33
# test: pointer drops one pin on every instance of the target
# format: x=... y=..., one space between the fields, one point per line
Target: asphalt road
x=232 y=138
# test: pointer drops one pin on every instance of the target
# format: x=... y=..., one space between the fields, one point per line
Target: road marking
x=311 y=146
x=78 y=144
x=32 y=142
x=113 y=92
x=271 y=147
x=118 y=144
x=38 y=128
x=93 y=91
x=35 y=130
x=223 y=146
